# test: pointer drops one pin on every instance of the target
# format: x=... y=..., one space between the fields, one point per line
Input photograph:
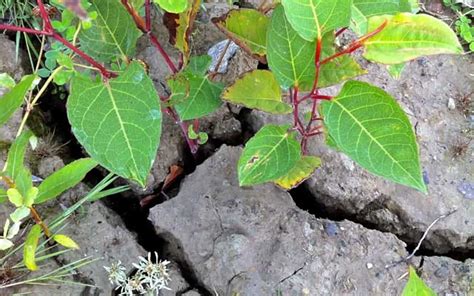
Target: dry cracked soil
x=339 y=233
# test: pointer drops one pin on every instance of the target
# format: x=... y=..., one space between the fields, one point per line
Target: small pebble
x=370 y=265
x=466 y=189
x=331 y=229
x=442 y=272
x=426 y=178
x=451 y=104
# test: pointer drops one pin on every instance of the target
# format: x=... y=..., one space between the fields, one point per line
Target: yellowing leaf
x=5 y=244
x=65 y=241
x=29 y=250
x=303 y=169
x=247 y=28
x=15 y=197
x=269 y=155
x=180 y=27
x=407 y=37
x=257 y=90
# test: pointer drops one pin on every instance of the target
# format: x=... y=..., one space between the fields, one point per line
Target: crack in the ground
x=305 y=200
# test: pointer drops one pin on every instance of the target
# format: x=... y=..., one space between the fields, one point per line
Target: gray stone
x=255 y=241
x=8 y=61
x=342 y=186
x=192 y=293
x=177 y=284
x=100 y=234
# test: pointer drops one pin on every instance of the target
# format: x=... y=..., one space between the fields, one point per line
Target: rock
x=8 y=61
x=451 y=104
x=49 y=165
x=341 y=186
x=255 y=241
x=192 y=293
x=222 y=125
x=101 y=234
x=177 y=284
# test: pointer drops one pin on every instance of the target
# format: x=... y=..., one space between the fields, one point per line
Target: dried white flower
x=149 y=278
x=117 y=275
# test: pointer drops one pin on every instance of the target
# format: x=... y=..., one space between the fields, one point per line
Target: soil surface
x=342 y=232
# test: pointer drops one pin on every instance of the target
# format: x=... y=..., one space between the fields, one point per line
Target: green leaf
x=114 y=33
x=396 y=70
x=64 y=179
x=303 y=169
x=174 y=6
x=6 y=81
x=247 y=28
x=339 y=69
x=29 y=251
x=416 y=287
x=257 y=89
x=23 y=181
x=269 y=155
x=407 y=37
x=363 y=9
x=16 y=155
x=195 y=96
x=30 y=196
x=198 y=65
x=312 y=18
x=290 y=57
x=65 y=241
x=118 y=122
x=11 y=101
x=15 y=197
x=369 y=126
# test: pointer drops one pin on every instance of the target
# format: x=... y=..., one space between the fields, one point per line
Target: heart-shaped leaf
x=269 y=155
x=113 y=34
x=369 y=126
x=407 y=37
x=290 y=57
x=118 y=121
x=312 y=18
x=247 y=28
x=257 y=90
x=195 y=96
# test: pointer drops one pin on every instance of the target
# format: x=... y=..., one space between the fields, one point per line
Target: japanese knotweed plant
x=116 y=113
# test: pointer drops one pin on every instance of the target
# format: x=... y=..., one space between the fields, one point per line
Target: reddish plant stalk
x=192 y=144
x=48 y=30
x=356 y=44
x=145 y=27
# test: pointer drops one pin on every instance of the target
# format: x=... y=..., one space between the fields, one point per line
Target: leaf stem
x=39 y=221
x=48 y=30
x=145 y=27
x=355 y=44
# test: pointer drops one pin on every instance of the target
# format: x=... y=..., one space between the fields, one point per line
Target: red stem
x=105 y=73
x=148 y=15
x=340 y=31
x=21 y=29
x=145 y=27
x=356 y=44
x=44 y=15
x=192 y=144
x=163 y=53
